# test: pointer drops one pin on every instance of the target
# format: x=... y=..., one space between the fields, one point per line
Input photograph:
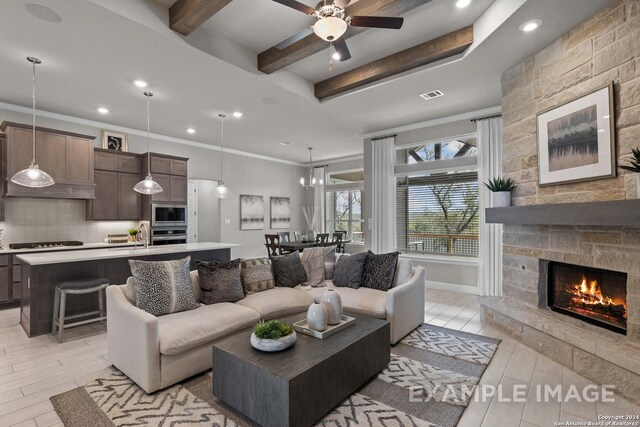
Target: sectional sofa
x=157 y=352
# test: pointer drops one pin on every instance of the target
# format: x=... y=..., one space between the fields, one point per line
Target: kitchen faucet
x=146 y=234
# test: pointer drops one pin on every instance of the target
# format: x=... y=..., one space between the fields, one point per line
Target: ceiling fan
x=333 y=23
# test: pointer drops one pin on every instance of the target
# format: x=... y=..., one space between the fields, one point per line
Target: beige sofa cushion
x=273 y=303
x=404 y=272
x=183 y=331
x=370 y=302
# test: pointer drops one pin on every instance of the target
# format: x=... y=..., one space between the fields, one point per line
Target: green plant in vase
x=501 y=189
x=634 y=166
x=133 y=232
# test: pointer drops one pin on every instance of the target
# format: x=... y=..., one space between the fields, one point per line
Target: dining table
x=300 y=246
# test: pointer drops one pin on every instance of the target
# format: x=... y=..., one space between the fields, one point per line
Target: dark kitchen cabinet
x=116 y=174
x=178 y=189
x=171 y=173
x=66 y=156
x=129 y=201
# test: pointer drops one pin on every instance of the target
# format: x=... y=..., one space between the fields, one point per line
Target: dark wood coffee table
x=297 y=386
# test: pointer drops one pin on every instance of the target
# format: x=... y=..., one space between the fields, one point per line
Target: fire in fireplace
x=594 y=295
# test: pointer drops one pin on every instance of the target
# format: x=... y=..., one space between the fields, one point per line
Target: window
x=344 y=213
x=437 y=206
x=442 y=150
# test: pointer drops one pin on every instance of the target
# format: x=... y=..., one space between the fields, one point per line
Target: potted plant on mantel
x=634 y=166
x=500 y=191
x=272 y=335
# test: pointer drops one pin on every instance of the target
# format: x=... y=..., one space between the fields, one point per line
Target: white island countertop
x=44 y=258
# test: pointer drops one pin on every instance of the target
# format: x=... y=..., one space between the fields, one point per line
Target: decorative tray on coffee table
x=302 y=327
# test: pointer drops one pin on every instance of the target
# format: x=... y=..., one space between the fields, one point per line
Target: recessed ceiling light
x=270 y=101
x=237 y=114
x=530 y=25
x=43 y=13
x=462 y=3
x=140 y=83
x=103 y=110
x=433 y=94
x=336 y=56
x=285 y=143
x=191 y=130
x=606 y=117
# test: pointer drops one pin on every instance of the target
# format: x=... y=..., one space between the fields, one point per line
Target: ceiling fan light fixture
x=330 y=28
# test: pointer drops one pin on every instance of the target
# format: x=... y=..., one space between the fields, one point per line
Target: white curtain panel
x=319 y=200
x=489 y=166
x=383 y=233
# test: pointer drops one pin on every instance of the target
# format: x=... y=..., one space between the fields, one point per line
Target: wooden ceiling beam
x=274 y=59
x=425 y=53
x=187 y=15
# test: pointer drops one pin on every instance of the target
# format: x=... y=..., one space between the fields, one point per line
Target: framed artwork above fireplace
x=576 y=140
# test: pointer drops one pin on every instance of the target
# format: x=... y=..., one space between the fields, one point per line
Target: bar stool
x=77 y=288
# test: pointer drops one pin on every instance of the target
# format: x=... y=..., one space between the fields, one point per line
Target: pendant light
x=312 y=179
x=33 y=176
x=222 y=191
x=148 y=185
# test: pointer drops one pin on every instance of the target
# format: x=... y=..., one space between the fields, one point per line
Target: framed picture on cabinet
x=576 y=140
x=116 y=141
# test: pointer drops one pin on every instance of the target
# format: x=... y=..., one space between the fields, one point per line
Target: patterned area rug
x=429 y=382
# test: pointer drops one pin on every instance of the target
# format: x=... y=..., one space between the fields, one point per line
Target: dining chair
x=272 y=242
x=310 y=237
x=297 y=235
x=322 y=239
x=337 y=240
x=285 y=237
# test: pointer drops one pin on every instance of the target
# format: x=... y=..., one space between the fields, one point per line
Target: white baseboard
x=452 y=287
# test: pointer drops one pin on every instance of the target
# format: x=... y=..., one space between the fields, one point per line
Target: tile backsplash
x=36 y=220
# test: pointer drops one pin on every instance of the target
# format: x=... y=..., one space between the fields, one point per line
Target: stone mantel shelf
x=611 y=213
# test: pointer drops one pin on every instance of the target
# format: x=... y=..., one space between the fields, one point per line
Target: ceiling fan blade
x=377 y=22
x=340 y=46
x=297 y=6
x=294 y=38
x=342 y=3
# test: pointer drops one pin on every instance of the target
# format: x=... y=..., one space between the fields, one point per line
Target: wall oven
x=168 y=215
x=168 y=236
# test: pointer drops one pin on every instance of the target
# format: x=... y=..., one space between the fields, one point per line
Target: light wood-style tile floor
x=32 y=370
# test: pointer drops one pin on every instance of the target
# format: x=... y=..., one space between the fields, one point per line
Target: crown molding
x=142 y=133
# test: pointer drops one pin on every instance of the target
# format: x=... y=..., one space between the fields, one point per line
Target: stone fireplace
x=594 y=295
x=591 y=226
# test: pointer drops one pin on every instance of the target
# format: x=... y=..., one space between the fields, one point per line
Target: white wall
x=456 y=275
x=244 y=175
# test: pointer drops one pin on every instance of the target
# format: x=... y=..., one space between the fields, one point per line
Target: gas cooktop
x=43 y=245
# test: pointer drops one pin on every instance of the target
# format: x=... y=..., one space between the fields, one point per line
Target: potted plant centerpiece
x=501 y=191
x=272 y=335
x=634 y=166
x=133 y=232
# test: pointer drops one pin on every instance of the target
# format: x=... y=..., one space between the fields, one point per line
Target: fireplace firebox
x=594 y=295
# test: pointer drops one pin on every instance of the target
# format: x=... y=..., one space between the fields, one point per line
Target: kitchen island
x=41 y=272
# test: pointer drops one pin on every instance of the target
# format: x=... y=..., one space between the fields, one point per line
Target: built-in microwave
x=168 y=215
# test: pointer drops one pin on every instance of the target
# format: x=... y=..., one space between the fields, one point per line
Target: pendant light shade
x=222 y=191
x=148 y=185
x=33 y=176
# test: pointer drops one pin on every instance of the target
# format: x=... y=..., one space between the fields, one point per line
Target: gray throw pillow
x=163 y=287
x=329 y=261
x=220 y=281
x=288 y=270
x=348 y=272
x=379 y=270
